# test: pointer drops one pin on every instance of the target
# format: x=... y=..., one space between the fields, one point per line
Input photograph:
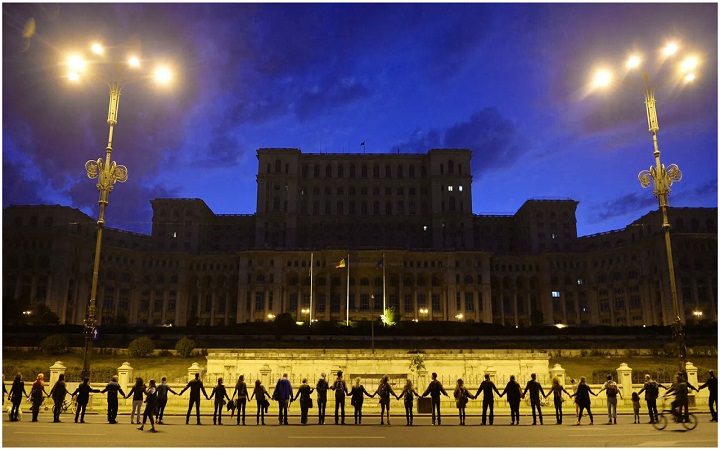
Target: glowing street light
x=116 y=75
x=660 y=176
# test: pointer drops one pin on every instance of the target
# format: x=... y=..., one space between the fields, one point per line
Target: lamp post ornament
x=106 y=171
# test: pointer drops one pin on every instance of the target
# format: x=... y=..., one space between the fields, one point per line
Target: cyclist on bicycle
x=679 y=406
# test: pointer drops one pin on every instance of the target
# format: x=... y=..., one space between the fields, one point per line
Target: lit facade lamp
x=423 y=312
x=116 y=75
x=658 y=175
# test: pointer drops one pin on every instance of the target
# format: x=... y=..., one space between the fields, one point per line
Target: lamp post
x=660 y=176
x=106 y=171
x=306 y=312
x=423 y=312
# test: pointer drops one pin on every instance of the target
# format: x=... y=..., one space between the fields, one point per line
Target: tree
x=41 y=314
x=141 y=347
x=390 y=317
x=185 y=346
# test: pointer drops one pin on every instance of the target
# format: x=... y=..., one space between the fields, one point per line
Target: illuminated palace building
x=405 y=225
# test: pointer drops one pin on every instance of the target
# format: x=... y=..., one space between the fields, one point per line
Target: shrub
x=141 y=347
x=55 y=344
x=185 y=347
x=98 y=374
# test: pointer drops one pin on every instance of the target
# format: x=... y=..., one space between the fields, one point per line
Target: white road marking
x=336 y=437
x=65 y=434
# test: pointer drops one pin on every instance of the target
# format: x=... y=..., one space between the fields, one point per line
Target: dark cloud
x=492 y=138
x=629 y=204
x=334 y=93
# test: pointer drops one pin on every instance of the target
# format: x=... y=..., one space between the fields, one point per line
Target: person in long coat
x=17 y=394
x=321 y=389
x=512 y=389
x=58 y=393
x=582 y=398
x=303 y=393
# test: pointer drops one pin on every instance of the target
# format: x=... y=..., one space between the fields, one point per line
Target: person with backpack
x=512 y=389
x=435 y=388
x=241 y=391
x=535 y=391
x=711 y=385
x=321 y=388
x=611 y=389
x=340 y=389
x=557 y=391
x=83 y=398
x=384 y=391
x=408 y=393
x=356 y=399
x=303 y=393
x=16 y=395
x=162 y=396
x=461 y=395
x=652 y=391
x=487 y=387
x=582 y=399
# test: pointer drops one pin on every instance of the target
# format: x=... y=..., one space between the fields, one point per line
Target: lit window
x=174 y=234
x=580 y=281
x=460 y=188
x=556 y=294
x=450 y=188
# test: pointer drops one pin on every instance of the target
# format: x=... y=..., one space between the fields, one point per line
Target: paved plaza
x=97 y=433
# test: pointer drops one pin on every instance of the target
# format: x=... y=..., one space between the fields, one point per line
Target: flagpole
x=311 y=287
x=347 y=290
x=383 y=261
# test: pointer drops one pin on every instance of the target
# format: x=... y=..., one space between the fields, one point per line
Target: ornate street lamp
x=116 y=75
x=660 y=176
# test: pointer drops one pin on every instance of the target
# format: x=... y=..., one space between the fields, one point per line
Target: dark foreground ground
x=96 y=433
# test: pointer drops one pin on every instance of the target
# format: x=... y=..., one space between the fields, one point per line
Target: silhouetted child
x=636 y=406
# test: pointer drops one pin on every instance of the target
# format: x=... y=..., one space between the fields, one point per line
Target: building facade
x=405 y=227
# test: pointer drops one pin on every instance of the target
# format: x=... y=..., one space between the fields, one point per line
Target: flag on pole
x=380 y=263
x=341 y=264
x=362 y=143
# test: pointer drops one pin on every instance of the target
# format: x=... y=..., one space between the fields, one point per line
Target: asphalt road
x=97 y=433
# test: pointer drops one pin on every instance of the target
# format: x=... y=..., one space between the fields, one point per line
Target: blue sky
x=508 y=81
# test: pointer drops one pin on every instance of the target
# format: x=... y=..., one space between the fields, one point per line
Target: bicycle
x=69 y=406
x=688 y=421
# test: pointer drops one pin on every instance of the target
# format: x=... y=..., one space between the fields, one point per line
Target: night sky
x=508 y=81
